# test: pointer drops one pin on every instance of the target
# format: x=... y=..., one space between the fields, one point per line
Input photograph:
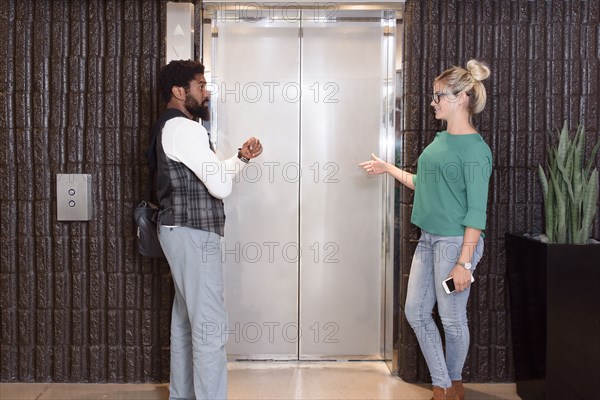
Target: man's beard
x=198 y=110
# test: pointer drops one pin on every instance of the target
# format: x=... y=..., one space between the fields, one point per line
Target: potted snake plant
x=553 y=280
x=570 y=189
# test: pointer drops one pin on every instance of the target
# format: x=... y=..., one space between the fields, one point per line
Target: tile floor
x=269 y=380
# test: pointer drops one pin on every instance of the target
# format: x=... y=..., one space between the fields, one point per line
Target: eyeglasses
x=437 y=96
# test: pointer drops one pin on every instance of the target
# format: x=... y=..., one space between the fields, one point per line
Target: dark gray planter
x=554 y=292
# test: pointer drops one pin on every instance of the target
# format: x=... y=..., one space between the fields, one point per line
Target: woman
x=451 y=189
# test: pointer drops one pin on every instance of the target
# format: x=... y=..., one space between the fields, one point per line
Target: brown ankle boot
x=451 y=394
x=459 y=389
x=439 y=393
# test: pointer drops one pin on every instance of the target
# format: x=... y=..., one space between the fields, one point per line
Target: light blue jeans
x=434 y=259
x=199 y=319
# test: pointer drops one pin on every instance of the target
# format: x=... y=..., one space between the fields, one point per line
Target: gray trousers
x=199 y=319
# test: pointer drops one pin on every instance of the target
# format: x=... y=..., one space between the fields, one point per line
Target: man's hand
x=251 y=148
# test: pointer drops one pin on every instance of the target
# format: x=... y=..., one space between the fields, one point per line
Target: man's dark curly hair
x=177 y=73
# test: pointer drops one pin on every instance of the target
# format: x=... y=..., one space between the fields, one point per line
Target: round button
x=72 y=192
x=72 y=203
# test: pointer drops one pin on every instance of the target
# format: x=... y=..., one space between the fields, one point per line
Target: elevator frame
x=390 y=286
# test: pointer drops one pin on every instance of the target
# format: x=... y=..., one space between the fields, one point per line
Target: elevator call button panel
x=74 y=197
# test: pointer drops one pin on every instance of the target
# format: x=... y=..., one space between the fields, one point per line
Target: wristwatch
x=242 y=158
x=466 y=265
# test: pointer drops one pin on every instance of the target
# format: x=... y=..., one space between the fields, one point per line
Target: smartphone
x=448 y=284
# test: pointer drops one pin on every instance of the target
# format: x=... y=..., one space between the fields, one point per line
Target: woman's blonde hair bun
x=478 y=70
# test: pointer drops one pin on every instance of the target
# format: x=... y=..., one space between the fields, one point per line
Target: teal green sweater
x=451 y=184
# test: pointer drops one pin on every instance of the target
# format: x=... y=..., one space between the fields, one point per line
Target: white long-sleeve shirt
x=186 y=141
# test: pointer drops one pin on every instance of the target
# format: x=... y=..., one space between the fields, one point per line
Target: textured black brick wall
x=544 y=56
x=77 y=95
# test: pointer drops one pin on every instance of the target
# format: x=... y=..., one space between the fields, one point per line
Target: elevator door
x=304 y=246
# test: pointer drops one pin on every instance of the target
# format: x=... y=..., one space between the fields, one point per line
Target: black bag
x=145 y=216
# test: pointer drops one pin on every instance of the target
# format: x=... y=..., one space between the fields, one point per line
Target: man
x=191 y=183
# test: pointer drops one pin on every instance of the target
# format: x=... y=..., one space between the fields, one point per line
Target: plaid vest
x=183 y=197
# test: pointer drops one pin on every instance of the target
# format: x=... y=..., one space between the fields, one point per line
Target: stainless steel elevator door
x=303 y=246
x=340 y=208
x=257 y=65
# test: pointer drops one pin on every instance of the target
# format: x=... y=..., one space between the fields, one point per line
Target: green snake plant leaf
x=563 y=145
x=578 y=184
x=561 y=210
x=548 y=210
x=564 y=169
x=579 y=147
x=543 y=180
x=589 y=204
